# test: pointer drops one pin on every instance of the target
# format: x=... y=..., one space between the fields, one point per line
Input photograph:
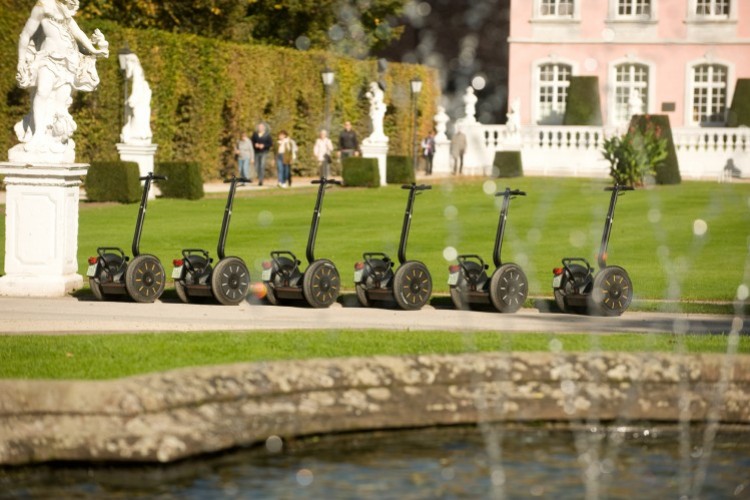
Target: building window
x=554 y=80
x=631 y=91
x=634 y=8
x=709 y=94
x=712 y=8
x=556 y=8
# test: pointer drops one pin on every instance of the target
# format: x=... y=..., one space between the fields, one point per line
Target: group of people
x=254 y=150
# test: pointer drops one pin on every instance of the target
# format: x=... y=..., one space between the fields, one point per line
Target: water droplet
x=680 y=326
x=577 y=238
x=489 y=187
x=662 y=252
x=537 y=490
x=448 y=473
x=304 y=477
x=265 y=218
x=450 y=253
x=534 y=235
x=590 y=64
x=424 y=9
x=654 y=215
x=498 y=478
x=700 y=227
x=478 y=82
x=336 y=32
x=302 y=42
x=450 y=212
x=568 y=387
x=743 y=292
x=555 y=345
x=274 y=444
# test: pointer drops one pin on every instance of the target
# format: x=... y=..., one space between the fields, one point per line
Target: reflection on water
x=431 y=463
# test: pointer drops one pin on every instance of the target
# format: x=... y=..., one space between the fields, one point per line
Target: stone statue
x=441 y=119
x=137 y=128
x=377 y=112
x=470 y=106
x=51 y=65
x=635 y=103
x=514 y=116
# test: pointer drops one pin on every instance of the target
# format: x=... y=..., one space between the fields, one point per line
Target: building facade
x=675 y=57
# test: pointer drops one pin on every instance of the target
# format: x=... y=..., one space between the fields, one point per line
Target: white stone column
x=379 y=151
x=41 y=229
x=441 y=162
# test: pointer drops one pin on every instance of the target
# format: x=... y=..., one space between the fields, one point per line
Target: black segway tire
x=271 y=295
x=362 y=298
x=560 y=300
x=321 y=284
x=179 y=287
x=96 y=288
x=509 y=288
x=457 y=297
x=230 y=281
x=145 y=279
x=412 y=285
x=612 y=292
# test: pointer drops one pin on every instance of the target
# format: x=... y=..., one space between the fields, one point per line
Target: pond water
x=497 y=462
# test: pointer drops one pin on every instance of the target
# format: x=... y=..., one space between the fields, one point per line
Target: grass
x=96 y=357
x=652 y=236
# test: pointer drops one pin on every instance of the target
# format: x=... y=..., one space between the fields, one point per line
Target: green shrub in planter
x=739 y=113
x=668 y=171
x=113 y=181
x=507 y=164
x=362 y=172
x=399 y=170
x=583 y=106
x=183 y=180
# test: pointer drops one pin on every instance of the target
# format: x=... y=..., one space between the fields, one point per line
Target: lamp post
x=416 y=88
x=327 y=76
x=122 y=58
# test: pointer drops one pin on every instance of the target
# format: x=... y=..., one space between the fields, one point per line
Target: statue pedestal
x=41 y=229
x=143 y=155
x=379 y=151
x=477 y=159
x=441 y=162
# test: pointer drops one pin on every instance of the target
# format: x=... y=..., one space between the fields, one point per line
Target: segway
x=410 y=285
x=576 y=289
x=469 y=284
x=228 y=282
x=111 y=273
x=320 y=283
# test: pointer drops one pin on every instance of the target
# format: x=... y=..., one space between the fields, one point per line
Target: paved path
x=86 y=315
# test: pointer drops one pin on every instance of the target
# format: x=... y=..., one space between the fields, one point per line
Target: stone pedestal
x=379 y=151
x=41 y=229
x=143 y=155
x=441 y=162
x=477 y=159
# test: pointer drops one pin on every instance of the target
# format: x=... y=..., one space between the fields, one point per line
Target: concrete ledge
x=168 y=416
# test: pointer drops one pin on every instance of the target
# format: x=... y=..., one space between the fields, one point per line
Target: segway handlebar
x=619 y=187
x=415 y=187
x=238 y=179
x=153 y=177
x=515 y=192
x=326 y=181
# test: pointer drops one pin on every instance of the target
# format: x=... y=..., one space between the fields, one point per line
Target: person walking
x=262 y=144
x=428 y=151
x=244 y=152
x=458 y=148
x=348 y=143
x=284 y=158
x=322 y=150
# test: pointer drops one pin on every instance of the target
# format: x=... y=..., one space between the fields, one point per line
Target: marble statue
x=377 y=112
x=137 y=128
x=470 y=106
x=441 y=120
x=635 y=103
x=51 y=66
x=514 y=116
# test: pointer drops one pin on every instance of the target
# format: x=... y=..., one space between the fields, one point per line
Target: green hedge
x=206 y=92
x=583 y=106
x=183 y=180
x=113 y=181
x=360 y=172
x=669 y=171
x=507 y=164
x=739 y=112
x=399 y=170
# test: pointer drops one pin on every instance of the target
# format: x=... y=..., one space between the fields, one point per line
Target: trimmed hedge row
x=739 y=113
x=399 y=170
x=583 y=106
x=360 y=172
x=507 y=164
x=113 y=181
x=669 y=171
x=183 y=180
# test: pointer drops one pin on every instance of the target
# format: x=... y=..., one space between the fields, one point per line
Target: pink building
x=676 y=57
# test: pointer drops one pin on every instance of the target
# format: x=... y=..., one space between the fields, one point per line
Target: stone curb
x=181 y=413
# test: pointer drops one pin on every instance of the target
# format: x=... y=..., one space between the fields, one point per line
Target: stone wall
x=168 y=416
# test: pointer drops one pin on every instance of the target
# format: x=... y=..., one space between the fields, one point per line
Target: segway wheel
x=106 y=275
x=412 y=285
x=230 y=281
x=145 y=279
x=364 y=301
x=96 y=288
x=321 y=284
x=580 y=277
x=612 y=292
x=458 y=299
x=181 y=292
x=509 y=288
x=560 y=301
x=271 y=295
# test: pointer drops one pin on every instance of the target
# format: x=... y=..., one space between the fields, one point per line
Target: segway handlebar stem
x=227 y=214
x=147 y=179
x=500 y=234
x=310 y=252
x=617 y=190
x=413 y=190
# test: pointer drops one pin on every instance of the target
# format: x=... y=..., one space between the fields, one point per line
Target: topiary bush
x=635 y=156
x=399 y=170
x=668 y=172
x=583 y=106
x=113 y=181
x=183 y=180
x=361 y=172
x=507 y=164
x=739 y=112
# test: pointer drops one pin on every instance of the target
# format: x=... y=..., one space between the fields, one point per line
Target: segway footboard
x=192 y=273
x=283 y=276
x=572 y=283
x=375 y=275
x=468 y=281
x=106 y=272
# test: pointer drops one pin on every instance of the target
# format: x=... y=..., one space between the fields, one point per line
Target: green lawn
x=561 y=217
x=113 y=356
